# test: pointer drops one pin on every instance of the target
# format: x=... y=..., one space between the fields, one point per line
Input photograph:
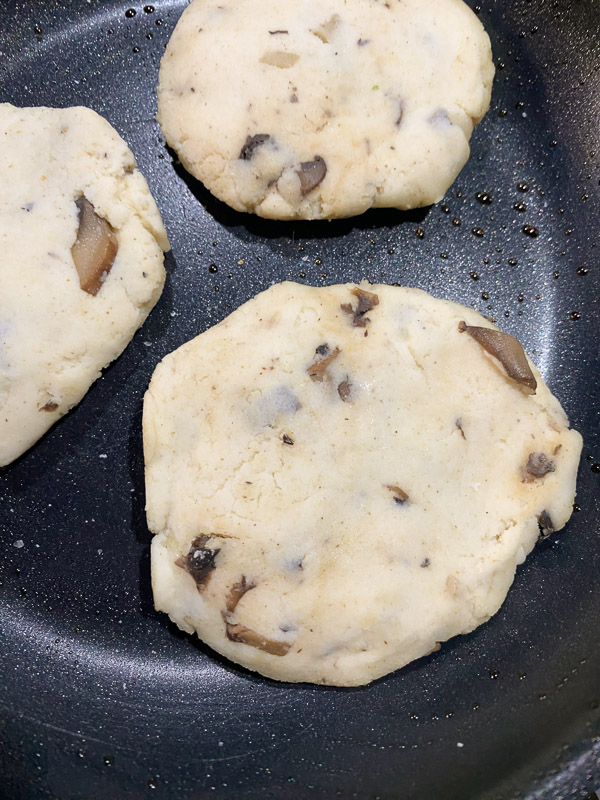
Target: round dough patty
x=81 y=262
x=323 y=108
x=341 y=478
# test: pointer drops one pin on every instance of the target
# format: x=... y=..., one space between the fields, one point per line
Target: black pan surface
x=100 y=697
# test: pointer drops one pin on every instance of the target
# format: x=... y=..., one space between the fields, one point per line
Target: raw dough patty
x=341 y=478
x=81 y=262
x=323 y=108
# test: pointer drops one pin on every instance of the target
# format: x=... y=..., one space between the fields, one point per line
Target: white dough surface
x=349 y=489
x=56 y=338
x=385 y=94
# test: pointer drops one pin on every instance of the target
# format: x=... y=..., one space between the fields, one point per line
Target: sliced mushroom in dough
x=81 y=262
x=341 y=478
x=324 y=108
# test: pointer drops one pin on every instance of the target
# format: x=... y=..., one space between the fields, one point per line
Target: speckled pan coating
x=323 y=108
x=342 y=478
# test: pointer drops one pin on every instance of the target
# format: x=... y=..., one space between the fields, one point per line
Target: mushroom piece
x=251 y=144
x=325 y=30
x=311 y=173
x=318 y=370
x=344 y=390
x=237 y=591
x=545 y=525
x=538 y=465
x=199 y=561
x=49 y=405
x=507 y=350
x=400 y=496
x=95 y=247
x=279 y=58
x=366 y=301
x=239 y=633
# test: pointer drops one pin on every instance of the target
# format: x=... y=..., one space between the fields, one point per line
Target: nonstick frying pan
x=100 y=696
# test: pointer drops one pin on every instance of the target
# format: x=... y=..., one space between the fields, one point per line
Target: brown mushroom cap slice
x=279 y=58
x=507 y=350
x=95 y=248
x=400 y=496
x=317 y=371
x=239 y=633
x=251 y=144
x=237 y=591
x=345 y=390
x=311 y=173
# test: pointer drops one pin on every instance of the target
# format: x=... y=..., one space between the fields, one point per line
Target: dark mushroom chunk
x=311 y=173
x=538 y=465
x=252 y=144
x=286 y=439
x=366 y=301
x=546 y=525
x=425 y=563
x=322 y=349
x=400 y=495
x=199 y=561
x=318 y=370
x=344 y=389
x=507 y=350
x=95 y=247
x=239 y=633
